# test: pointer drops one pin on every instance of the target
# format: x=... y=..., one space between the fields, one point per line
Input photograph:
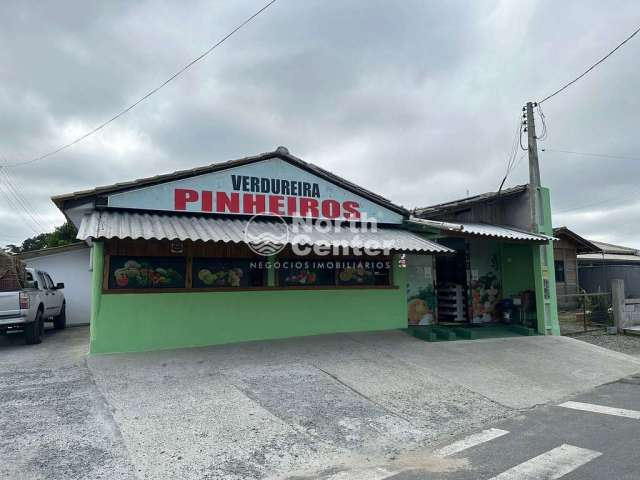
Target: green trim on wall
x=547 y=308
x=97 y=269
x=155 y=321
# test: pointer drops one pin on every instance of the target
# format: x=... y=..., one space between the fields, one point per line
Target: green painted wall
x=154 y=321
x=517 y=268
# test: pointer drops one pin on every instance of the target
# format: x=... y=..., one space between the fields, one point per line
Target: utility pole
x=540 y=221
x=534 y=167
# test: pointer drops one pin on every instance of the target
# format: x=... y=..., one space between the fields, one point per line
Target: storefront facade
x=173 y=266
x=124 y=322
x=272 y=247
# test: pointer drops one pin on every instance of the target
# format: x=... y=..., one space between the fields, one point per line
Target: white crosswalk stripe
x=470 y=441
x=550 y=465
x=590 y=407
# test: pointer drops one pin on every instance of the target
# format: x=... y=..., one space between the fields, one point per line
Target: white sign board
x=270 y=186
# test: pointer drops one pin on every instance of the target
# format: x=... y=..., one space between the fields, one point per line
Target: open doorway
x=452 y=283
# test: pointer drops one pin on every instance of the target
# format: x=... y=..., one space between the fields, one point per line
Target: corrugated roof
x=582 y=244
x=483 y=230
x=616 y=249
x=119 y=224
x=608 y=257
x=466 y=202
x=281 y=153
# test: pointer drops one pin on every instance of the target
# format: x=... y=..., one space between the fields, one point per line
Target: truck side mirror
x=59 y=286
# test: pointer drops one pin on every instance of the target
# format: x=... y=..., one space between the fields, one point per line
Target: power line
x=512 y=153
x=19 y=205
x=564 y=87
x=23 y=200
x=588 y=154
x=12 y=204
x=543 y=119
x=595 y=204
x=520 y=159
x=19 y=201
x=147 y=95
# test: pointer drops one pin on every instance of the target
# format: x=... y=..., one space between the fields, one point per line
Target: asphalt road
x=554 y=441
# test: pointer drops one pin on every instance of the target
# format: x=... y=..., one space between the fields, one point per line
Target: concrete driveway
x=336 y=406
x=55 y=424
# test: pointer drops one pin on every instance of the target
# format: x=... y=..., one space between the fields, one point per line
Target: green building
x=271 y=246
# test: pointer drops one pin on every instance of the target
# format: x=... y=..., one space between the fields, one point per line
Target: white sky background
x=415 y=100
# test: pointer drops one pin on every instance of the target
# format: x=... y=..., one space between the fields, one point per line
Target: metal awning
x=483 y=230
x=120 y=224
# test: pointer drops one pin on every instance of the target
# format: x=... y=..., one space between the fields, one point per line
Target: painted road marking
x=590 y=407
x=470 y=441
x=364 y=474
x=550 y=465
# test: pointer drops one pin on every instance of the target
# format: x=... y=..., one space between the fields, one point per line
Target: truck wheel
x=33 y=331
x=60 y=322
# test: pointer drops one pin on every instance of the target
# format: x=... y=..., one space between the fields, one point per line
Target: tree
x=62 y=235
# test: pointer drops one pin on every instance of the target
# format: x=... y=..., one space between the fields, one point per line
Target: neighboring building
x=179 y=260
x=596 y=270
x=507 y=207
x=71 y=265
x=565 y=254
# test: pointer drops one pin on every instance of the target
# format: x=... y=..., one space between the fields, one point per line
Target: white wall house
x=70 y=265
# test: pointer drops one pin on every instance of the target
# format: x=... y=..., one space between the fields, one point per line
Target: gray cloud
x=415 y=100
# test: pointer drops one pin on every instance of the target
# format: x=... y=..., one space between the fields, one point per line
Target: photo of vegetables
x=313 y=273
x=301 y=277
x=356 y=276
x=216 y=273
x=146 y=272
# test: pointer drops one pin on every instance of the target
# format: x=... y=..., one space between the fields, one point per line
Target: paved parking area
x=299 y=405
x=337 y=406
x=55 y=424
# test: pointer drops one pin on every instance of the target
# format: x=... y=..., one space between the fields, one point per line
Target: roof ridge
x=473 y=198
x=280 y=152
x=632 y=250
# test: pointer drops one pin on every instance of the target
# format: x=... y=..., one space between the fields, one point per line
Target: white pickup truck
x=27 y=309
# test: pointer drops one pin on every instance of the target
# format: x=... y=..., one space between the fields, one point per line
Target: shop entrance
x=452 y=284
x=483 y=290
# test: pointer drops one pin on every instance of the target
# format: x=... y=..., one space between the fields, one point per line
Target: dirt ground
x=629 y=344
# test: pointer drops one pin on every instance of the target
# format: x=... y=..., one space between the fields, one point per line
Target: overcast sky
x=415 y=100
